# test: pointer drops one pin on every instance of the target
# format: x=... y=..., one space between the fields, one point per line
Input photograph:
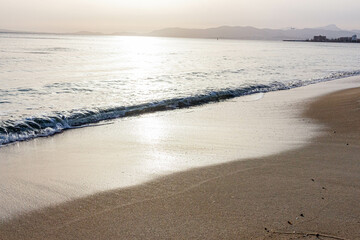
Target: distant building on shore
x=341 y=39
x=319 y=38
x=345 y=39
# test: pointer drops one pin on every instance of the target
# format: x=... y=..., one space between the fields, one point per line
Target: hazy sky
x=146 y=15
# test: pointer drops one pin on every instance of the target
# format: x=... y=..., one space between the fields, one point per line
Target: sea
x=50 y=83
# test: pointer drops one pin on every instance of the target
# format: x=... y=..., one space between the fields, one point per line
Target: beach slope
x=307 y=193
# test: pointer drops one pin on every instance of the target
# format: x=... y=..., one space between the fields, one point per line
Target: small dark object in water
x=301 y=215
x=324 y=188
x=313 y=180
x=334 y=131
x=347 y=144
x=317 y=235
x=289 y=223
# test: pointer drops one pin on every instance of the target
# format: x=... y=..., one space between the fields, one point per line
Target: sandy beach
x=299 y=179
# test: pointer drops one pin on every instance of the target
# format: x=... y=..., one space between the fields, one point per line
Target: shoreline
x=230 y=200
x=53 y=124
x=49 y=171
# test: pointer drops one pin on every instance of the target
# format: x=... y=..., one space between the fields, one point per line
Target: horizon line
x=134 y=33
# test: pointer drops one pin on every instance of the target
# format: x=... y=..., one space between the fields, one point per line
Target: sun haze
x=145 y=15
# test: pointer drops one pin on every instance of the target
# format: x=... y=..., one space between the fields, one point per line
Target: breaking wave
x=47 y=125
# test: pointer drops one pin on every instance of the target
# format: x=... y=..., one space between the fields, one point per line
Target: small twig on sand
x=309 y=234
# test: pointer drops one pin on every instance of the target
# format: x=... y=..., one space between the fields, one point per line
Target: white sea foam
x=32 y=127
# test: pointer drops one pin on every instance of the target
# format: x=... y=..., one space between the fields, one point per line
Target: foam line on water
x=47 y=125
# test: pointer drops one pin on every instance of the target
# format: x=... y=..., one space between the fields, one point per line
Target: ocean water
x=49 y=83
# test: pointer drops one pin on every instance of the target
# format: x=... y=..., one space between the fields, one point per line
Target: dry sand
x=311 y=190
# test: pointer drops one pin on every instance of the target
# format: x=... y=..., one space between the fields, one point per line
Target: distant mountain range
x=252 y=33
x=235 y=32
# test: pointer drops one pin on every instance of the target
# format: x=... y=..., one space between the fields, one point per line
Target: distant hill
x=86 y=33
x=252 y=33
x=331 y=27
x=6 y=31
x=126 y=34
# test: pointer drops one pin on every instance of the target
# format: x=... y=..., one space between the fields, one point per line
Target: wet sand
x=131 y=151
x=299 y=193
